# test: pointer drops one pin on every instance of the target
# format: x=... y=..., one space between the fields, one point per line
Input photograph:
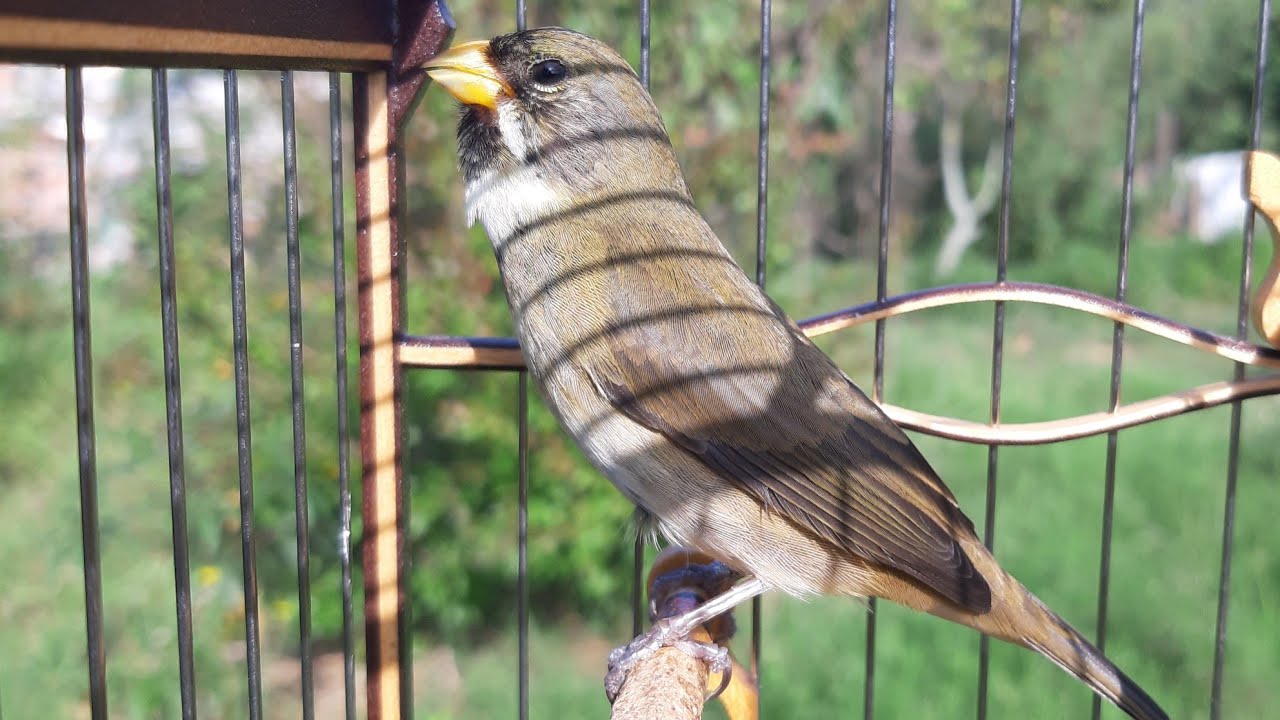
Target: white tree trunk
x=966 y=212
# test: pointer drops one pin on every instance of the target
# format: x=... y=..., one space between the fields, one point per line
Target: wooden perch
x=671 y=684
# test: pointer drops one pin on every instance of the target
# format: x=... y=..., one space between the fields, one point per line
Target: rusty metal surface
x=425 y=29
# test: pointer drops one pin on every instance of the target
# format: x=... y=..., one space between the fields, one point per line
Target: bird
x=685 y=384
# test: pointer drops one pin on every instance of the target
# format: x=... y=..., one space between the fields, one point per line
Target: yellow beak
x=468 y=74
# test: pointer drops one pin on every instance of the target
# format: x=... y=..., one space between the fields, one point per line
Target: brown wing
x=773 y=415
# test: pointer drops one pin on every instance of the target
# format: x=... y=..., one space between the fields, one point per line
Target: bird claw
x=664 y=633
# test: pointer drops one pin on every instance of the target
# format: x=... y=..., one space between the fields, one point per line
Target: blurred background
x=823 y=224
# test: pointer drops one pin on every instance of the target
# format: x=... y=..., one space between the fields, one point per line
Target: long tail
x=1054 y=638
x=1020 y=618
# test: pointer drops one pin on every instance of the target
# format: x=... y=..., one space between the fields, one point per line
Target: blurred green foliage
x=461 y=430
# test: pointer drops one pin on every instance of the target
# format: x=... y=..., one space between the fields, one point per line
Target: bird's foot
x=668 y=632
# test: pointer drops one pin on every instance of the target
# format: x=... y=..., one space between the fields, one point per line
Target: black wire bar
x=173 y=391
x=1242 y=331
x=522 y=561
x=882 y=291
x=638 y=613
x=997 y=334
x=301 y=521
x=762 y=248
x=522 y=522
x=240 y=353
x=340 y=387
x=85 y=437
x=1117 y=337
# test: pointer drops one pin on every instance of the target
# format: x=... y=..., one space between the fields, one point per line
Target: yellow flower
x=207 y=575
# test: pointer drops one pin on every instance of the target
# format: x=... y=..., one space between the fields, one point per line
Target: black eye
x=548 y=72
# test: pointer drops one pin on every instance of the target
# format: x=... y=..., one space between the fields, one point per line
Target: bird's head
x=558 y=100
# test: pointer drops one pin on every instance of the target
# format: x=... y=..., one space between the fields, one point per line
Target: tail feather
x=1100 y=674
x=1019 y=617
x=1054 y=638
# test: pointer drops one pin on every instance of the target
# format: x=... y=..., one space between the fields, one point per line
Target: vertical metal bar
x=645 y=43
x=882 y=291
x=1242 y=331
x=340 y=380
x=83 y=349
x=1117 y=337
x=301 y=521
x=997 y=335
x=762 y=247
x=638 y=613
x=240 y=352
x=522 y=577
x=173 y=390
x=637 y=583
x=762 y=144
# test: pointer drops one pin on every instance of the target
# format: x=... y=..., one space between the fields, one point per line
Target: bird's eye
x=548 y=72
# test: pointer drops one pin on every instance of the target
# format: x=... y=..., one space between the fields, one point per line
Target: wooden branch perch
x=671 y=684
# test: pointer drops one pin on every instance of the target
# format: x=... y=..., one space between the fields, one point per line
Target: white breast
x=505 y=201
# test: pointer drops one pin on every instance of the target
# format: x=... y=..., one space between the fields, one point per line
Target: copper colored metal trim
x=379 y=376
x=1072 y=299
x=382 y=101
x=1049 y=431
x=504 y=354
x=46 y=39
x=441 y=351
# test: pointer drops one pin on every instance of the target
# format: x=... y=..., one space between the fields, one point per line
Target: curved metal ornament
x=1262 y=188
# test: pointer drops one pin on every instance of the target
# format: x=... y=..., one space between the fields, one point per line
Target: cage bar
x=1242 y=332
x=997 y=334
x=638 y=612
x=340 y=391
x=882 y=291
x=302 y=524
x=240 y=362
x=522 y=530
x=762 y=250
x=173 y=391
x=85 y=438
x=1117 y=337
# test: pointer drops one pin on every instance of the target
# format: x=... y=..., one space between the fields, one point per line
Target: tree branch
x=672 y=684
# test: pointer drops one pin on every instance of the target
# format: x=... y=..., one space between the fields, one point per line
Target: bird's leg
x=675 y=631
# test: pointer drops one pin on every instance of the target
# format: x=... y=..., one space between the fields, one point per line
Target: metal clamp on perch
x=671 y=684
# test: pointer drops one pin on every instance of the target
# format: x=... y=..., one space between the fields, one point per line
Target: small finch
x=686 y=385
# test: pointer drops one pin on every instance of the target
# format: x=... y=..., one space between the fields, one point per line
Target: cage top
x=283 y=34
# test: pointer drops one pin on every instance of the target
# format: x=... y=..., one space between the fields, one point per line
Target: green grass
x=1165 y=563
